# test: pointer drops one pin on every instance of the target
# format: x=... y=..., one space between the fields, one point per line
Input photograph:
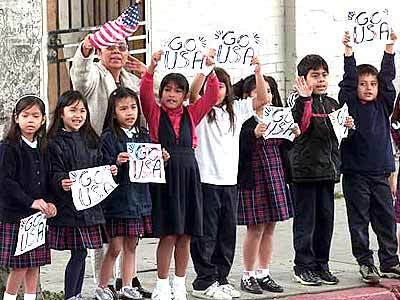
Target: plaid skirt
x=128 y=227
x=74 y=238
x=37 y=257
x=269 y=200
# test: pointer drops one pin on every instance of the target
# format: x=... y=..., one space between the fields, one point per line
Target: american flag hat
x=117 y=30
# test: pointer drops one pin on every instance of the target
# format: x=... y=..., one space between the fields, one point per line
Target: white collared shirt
x=130 y=132
x=29 y=143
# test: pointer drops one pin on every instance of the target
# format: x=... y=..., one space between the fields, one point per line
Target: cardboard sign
x=184 y=52
x=280 y=122
x=146 y=163
x=31 y=233
x=338 y=119
x=367 y=25
x=91 y=186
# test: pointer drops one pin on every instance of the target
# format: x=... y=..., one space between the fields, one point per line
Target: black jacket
x=23 y=179
x=246 y=147
x=68 y=151
x=315 y=153
x=129 y=200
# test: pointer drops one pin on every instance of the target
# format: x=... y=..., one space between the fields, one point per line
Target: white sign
x=280 y=123
x=31 y=233
x=338 y=119
x=367 y=25
x=146 y=163
x=91 y=186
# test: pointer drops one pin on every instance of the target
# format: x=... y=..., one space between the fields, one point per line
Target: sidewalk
x=342 y=265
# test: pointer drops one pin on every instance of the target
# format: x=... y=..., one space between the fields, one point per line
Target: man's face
x=114 y=57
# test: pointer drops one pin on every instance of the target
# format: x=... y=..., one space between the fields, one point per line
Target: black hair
x=110 y=121
x=24 y=103
x=177 y=79
x=311 y=62
x=66 y=99
x=367 y=69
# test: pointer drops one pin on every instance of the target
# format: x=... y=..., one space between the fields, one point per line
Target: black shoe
x=308 y=277
x=327 y=277
x=268 y=284
x=112 y=289
x=145 y=292
x=392 y=272
x=370 y=274
x=250 y=285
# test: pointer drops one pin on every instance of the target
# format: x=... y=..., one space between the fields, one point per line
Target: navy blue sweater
x=23 y=179
x=368 y=149
x=129 y=200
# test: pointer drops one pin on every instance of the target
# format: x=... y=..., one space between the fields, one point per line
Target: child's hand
x=122 y=158
x=155 y=58
x=393 y=36
x=257 y=64
x=295 y=129
x=66 y=184
x=260 y=129
x=114 y=170
x=389 y=48
x=346 y=39
x=302 y=87
x=165 y=154
x=39 y=204
x=134 y=65
x=209 y=62
x=51 y=210
x=349 y=122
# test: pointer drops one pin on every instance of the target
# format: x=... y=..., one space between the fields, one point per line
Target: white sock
x=248 y=274
x=261 y=273
x=8 y=296
x=179 y=281
x=30 y=296
x=162 y=283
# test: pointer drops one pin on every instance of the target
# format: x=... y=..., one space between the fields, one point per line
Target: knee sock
x=74 y=273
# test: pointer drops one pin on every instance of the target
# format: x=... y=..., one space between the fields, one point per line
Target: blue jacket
x=129 y=200
x=368 y=149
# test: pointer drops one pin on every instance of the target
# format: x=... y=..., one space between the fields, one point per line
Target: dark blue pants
x=312 y=224
x=369 y=200
x=213 y=253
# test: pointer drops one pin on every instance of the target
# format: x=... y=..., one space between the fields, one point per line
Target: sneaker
x=161 y=294
x=308 y=277
x=370 y=274
x=268 y=284
x=250 y=285
x=128 y=292
x=212 y=292
x=392 y=272
x=103 y=294
x=327 y=277
x=230 y=290
x=145 y=292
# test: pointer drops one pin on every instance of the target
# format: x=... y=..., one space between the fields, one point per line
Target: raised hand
x=389 y=48
x=346 y=40
x=87 y=46
x=302 y=87
x=155 y=58
x=134 y=65
x=257 y=64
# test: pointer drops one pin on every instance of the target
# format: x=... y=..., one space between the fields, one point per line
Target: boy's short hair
x=311 y=62
x=177 y=79
x=367 y=69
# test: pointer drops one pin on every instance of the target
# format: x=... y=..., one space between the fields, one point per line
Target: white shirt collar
x=130 y=132
x=29 y=143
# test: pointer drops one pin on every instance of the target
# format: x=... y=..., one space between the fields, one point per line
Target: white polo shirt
x=217 y=153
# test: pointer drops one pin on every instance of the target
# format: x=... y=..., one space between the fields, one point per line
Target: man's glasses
x=121 y=47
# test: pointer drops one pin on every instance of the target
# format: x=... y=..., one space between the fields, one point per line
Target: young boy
x=315 y=169
x=367 y=161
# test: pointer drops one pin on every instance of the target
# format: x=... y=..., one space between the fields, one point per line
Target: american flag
x=117 y=30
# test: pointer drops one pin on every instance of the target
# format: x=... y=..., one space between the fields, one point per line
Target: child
x=367 y=161
x=128 y=208
x=314 y=171
x=218 y=156
x=23 y=192
x=263 y=199
x=178 y=204
x=73 y=145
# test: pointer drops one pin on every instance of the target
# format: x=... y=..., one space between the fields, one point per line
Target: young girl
x=23 y=192
x=178 y=204
x=218 y=156
x=262 y=193
x=128 y=209
x=73 y=145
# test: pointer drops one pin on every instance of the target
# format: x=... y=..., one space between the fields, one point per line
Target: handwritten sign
x=146 y=163
x=183 y=52
x=31 y=233
x=280 y=122
x=338 y=119
x=91 y=186
x=369 y=25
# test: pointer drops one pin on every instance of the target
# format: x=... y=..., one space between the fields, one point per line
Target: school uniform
x=72 y=229
x=261 y=180
x=23 y=179
x=395 y=133
x=127 y=209
x=367 y=161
